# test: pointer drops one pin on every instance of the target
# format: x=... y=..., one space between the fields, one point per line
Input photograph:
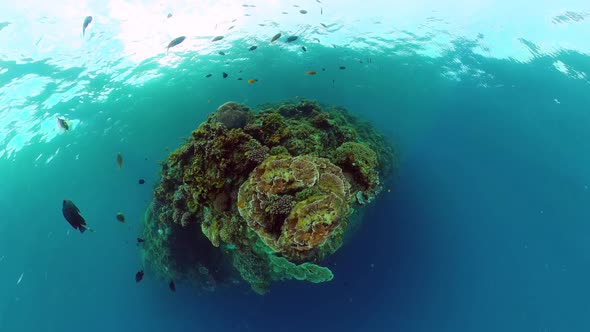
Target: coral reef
x=263 y=195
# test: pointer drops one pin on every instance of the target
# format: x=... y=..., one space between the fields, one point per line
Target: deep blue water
x=486 y=227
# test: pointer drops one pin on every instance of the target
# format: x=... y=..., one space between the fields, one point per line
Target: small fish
x=321 y=11
x=342 y=67
x=141 y=181
x=224 y=75
x=388 y=190
x=73 y=217
x=217 y=38
x=296 y=6
x=139 y=276
x=209 y=101
x=87 y=21
x=275 y=37
x=325 y=26
x=175 y=42
x=317 y=40
x=303 y=11
x=235 y=19
x=323 y=69
x=119 y=160
x=208 y=75
x=304 y=49
x=318 y=1
x=63 y=124
x=221 y=53
x=252 y=81
x=140 y=240
x=20 y=278
x=252 y=48
x=231 y=27
x=285 y=13
x=120 y=218
x=169 y=15
x=311 y=72
x=172 y=286
x=239 y=78
x=292 y=39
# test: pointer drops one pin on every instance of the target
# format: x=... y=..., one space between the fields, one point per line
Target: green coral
x=361 y=163
x=282 y=269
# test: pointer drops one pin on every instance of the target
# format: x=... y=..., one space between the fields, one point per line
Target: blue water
x=486 y=227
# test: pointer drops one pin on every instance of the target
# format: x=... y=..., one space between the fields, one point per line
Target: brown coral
x=303 y=225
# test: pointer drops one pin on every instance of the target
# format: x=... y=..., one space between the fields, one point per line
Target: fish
x=325 y=26
x=231 y=27
x=139 y=276
x=169 y=15
x=285 y=13
x=119 y=160
x=175 y=42
x=321 y=11
x=253 y=48
x=292 y=39
x=172 y=286
x=318 y=1
x=311 y=72
x=276 y=37
x=20 y=278
x=252 y=81
x=217 y=38
x=303 y=11
x=304 y=49
x=221 y=53
x=87 y=21
x=141 y=181
x=208 y=75
x=224 y=75
x=140 y=240
x=73 y=217
x=342 y=67
x=239 y=78
x=120 y=217
x=63 y=123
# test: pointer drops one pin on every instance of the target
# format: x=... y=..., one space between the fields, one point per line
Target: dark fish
x=139 y=276
x=172 y=286
x=141 y=181
x=253 y=48
x=87 y=21
x=169 y=15
x=239 y=78
x=275 y=37
x=63 y=124
x=323 y=69
x=217 y=38
x=318 y=1
x=285 y=13
x=292 y=39
x=304 y=49
x=342 y=67
x=321 y=11
x=140 y=240
x=175 y=42
x=224 y=75
x=231 y=27
x=325 y=26
x=221 y=53
x=303 y=11
x=208 y=75
x=120 y=217
x=72 y=215
x=119 y=160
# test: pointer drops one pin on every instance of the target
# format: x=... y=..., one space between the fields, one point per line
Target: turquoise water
x=486 y=227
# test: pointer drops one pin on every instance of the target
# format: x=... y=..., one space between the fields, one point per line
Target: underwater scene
x=301 y=165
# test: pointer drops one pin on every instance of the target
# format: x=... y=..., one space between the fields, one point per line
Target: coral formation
x=263 y=195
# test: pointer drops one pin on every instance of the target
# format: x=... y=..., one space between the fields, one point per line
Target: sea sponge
x=306 y=224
